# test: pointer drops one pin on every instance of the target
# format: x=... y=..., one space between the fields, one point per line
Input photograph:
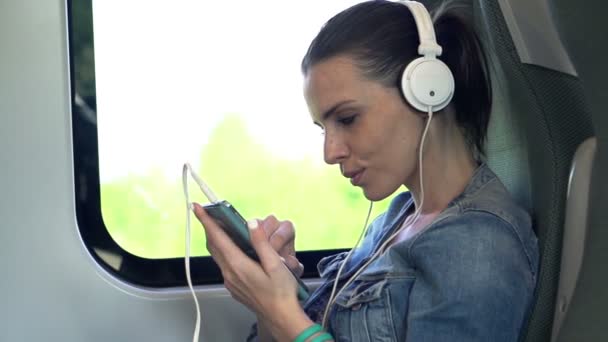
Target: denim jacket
x=468 y=276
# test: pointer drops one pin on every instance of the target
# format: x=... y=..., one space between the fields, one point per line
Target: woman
x=453 y=259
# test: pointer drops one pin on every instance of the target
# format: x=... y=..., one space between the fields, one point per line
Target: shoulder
x=472 y=228
x=493 y=198
x=472 y=268
x=483 y=223
x=491 y=213
x=476 y=246
x=486 y=217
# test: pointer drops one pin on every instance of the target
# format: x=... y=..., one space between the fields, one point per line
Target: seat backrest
x=550 y=117
x=584 y=31
x=575 y=229
x=539 y=118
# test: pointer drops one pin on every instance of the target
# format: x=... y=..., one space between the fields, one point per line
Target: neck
x=447 y=167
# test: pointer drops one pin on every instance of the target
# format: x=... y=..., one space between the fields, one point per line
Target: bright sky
x=168 y=71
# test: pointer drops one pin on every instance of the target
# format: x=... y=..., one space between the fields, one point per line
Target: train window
x=156 y=84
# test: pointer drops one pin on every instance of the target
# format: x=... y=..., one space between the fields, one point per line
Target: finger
x=210 y=227
x=283 y=238
x=269 y=259
x=294 y=265
x=218 y=256
x=224 y=251
x=270 y=224
x=218 y=242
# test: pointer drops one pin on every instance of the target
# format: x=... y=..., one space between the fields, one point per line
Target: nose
x=335 y=150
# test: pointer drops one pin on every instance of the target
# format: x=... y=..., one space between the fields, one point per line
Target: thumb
x=294 y=265
x=268 y=256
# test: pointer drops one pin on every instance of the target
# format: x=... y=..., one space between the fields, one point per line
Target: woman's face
x=369 y=130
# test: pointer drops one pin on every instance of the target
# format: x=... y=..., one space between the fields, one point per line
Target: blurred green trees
x=146 y=214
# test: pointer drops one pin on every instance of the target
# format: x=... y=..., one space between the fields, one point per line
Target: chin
x=375 y=195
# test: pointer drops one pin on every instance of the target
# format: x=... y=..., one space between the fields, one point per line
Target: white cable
x=333 y=290
x=189 y=207
x=405 y=224
x=202 y=185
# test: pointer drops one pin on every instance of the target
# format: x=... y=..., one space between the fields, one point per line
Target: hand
x=267 y=288
x=263 y=287
x=282 y=235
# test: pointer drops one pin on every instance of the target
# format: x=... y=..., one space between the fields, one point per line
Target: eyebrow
x=333 y=109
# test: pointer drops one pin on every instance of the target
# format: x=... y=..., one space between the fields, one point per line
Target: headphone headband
x=428 y=43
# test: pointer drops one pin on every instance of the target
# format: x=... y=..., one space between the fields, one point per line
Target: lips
x=355 y=176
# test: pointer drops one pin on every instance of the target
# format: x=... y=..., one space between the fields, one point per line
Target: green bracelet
x=322 y=338
x=311 y=330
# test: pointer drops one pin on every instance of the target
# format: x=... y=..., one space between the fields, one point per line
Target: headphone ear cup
x=427 y=83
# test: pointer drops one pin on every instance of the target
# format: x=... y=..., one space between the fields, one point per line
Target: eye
x=321 y=128
x=347 y=120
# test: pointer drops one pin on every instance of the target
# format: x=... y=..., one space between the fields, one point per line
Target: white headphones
x=427 y=83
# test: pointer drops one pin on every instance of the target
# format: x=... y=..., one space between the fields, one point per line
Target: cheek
x=393 y=145
x=395 y=156
x=371 y=140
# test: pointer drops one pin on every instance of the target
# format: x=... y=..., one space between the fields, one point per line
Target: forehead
x=332 y=81
x=335 y=71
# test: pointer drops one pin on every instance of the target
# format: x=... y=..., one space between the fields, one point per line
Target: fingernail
x=191 y=206
x=252 y=224
x=283 y=259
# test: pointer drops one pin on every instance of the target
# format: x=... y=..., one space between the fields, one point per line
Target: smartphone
x=229 y=219
x=235 y=226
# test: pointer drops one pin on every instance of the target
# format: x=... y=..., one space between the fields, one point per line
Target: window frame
x=153 y=273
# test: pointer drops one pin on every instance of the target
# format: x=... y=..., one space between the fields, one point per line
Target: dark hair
x=382 y=38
